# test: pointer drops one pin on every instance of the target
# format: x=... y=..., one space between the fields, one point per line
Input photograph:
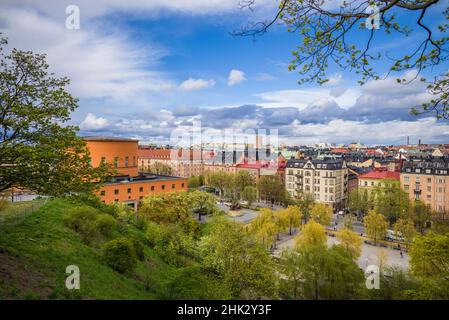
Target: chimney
x=408 y=140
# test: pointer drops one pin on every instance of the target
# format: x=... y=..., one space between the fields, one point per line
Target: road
x=370 y=254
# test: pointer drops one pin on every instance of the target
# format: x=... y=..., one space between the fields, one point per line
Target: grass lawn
x=35 y=252
x=19 y=209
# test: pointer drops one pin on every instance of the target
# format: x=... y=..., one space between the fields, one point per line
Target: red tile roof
x=380 y=174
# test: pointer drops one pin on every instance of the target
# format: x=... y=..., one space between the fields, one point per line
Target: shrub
x=120 y=255
x=138 y=248
x=83 y=221
x=3 y=203
x=106 y=224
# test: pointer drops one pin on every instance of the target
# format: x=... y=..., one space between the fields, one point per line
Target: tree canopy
x=38 y=149
x=344 y=35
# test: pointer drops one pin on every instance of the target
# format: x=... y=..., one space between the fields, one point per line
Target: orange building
x=128 y=185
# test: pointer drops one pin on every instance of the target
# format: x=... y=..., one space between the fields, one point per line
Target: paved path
x=370 y=254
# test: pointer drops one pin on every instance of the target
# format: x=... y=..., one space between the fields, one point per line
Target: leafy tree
x=376 y=225
x=326 y=32
x=249 y=194
x=193 y=182
x=312 y=233
x=173 y=207
x=429 y=261
x=38 y=150
x=321 y=213
x=314 y=271
x=271 y=188
x=359 y=201
x=217 y=180
x=159 y=167
x=305 y=201
x=237 y=259
x=120 y=255
x=244 y=179
x=421 y=215
x=351 y=241
x=265 y=227
x=293 y=216
x=391 y=200
x=406 y=229
x=203 y=203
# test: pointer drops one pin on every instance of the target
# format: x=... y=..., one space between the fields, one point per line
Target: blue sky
x=143 y=69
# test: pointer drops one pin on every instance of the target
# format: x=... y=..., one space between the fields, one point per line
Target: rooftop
x=108 y=138
x=380 y=174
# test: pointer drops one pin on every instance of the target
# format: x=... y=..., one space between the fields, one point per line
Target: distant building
x=128 y=185
x=327 y=180
x=183 y=162
x=427 y=180
x=374 y=178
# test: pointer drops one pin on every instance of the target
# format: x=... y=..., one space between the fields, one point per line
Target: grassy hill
x=36 y=249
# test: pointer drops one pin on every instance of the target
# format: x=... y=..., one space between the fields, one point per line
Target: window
x=429 y=188
x=366 y=183
x=115 y=162
x=116 y=191
x=126 y=161
x=152 y=188
x=429 y=180
x=103 y=192
x=103 y=160
x=173 y=186
x=182 y=185
x=116 y=200
x=406 y=178
x=140 y=189
x=163 y=187
x=406 y=187
x=129 y=190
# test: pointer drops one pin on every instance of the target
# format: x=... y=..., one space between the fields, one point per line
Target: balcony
x=417 y=191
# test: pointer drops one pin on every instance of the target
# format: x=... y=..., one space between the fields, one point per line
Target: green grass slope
x=35 y=252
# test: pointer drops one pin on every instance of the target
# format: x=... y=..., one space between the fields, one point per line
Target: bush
x=3 y=204
x=106 y=224
x=120 y=255
x=173 y=245
x=138 y=248
x=83 y=221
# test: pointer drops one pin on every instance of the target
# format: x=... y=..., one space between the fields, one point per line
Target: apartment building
x=183 y=162
x=127 y=185
x=427 y=180
x=374 y=178
x=326 y=179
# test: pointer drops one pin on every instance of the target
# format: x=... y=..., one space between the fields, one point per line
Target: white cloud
x=93 y=123
x=396 y=131
x=89 y=8
x=334 y=79
x=302 y=98
x=235 y=77
x=196 y=84
x=99 y=66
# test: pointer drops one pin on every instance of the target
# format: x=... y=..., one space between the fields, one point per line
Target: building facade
x=127 y=185
x=183 y=163
x=427 y=180
x=327 y=180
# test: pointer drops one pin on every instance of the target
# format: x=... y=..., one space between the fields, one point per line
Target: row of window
x=116 y=159
x=317 y=173
x=428 y=171
x=429 y=180
x=141 y=189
